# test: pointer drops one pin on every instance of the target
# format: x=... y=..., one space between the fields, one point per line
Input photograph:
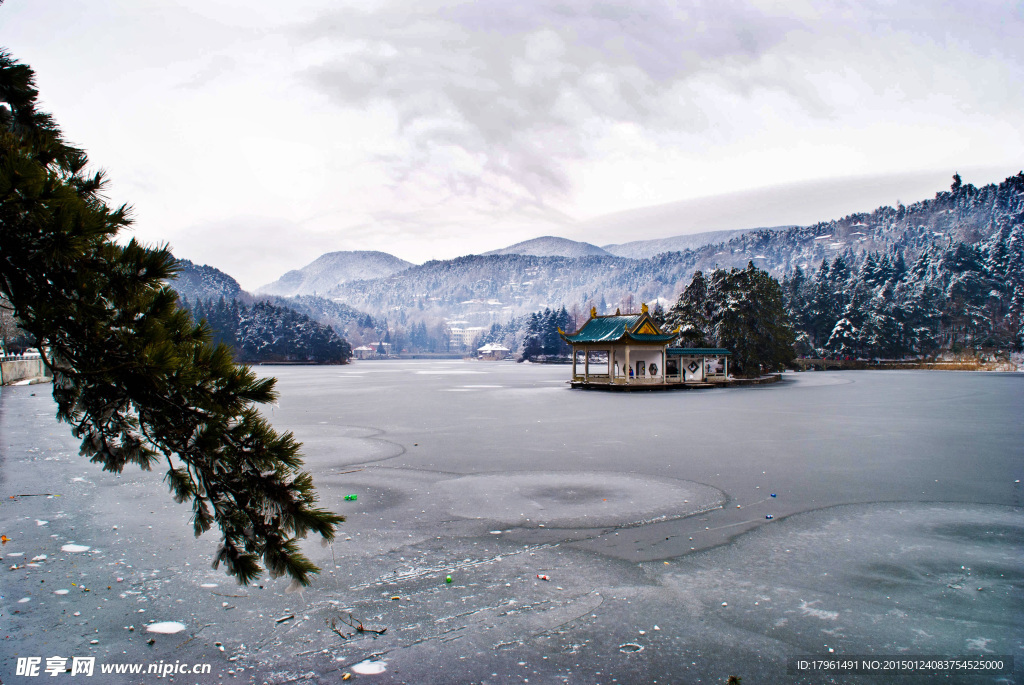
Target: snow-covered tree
x=137 y=381
x=741 y=310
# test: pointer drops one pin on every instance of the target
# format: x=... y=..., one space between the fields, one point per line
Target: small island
x=631 y=352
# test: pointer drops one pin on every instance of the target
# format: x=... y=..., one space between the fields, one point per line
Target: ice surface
x=896 y=500
x=447 y=372
x=576 y=499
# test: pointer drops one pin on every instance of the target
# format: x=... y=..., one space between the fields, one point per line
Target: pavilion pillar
x=586 y=364
x=628 y=369
x=574 y=362
x=663 y=369
x=726 y=359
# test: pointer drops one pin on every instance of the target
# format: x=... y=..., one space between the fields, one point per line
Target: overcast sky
x=255 y=135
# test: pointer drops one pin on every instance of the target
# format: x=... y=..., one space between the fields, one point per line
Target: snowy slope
x=332 y=269
x=642 y=249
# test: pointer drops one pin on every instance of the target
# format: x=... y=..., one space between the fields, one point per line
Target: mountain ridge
x=486 y=288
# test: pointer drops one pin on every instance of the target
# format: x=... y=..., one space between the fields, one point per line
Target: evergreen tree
x=133 y=376
x=851 y=325
x=562 y=321
x=825 y=307
x=750 y=320
x=548 y=332
x=845 y=339
x=692 y=313
x=541 y=338
x=741 y=310
x=658 y=314
x=882 y=336
x=532 y=344
x=795 y=295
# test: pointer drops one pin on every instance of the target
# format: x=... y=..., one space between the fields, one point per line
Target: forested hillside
x=245 y=321
x=267 y=333
x=953 y=298
x=504 y=285
x=202 y=282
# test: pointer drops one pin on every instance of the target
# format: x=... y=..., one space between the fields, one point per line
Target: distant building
x=630 y=351
x=372 y=351
x=465 y=337
x=492 y=351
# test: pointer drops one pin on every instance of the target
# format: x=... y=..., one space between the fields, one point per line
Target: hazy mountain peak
x=331 y=269
x=551 y=246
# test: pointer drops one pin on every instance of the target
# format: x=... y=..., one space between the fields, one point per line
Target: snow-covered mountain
x=486 y=288
x=332 y=269
x=642 y=249
x=551 y=246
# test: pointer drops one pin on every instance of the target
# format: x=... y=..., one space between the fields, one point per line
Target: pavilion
x=631 y=352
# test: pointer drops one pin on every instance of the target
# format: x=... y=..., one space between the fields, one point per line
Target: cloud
x=496 y=102
x=802 y=204
x=438 y=127
x=495 y=97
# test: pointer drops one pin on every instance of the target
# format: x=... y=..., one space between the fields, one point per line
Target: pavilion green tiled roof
x=604 y=328
x=600 y=329
x=647 y=337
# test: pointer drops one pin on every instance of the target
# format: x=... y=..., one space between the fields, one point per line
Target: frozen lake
x=896 y=529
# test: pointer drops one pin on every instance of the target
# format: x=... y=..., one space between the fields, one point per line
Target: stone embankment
x=21 y=368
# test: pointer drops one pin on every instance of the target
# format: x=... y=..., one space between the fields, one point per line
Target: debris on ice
x=370 y=667
x=165 y=627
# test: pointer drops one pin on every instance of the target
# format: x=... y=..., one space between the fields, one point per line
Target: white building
x=466 y=337
x=492 y=351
